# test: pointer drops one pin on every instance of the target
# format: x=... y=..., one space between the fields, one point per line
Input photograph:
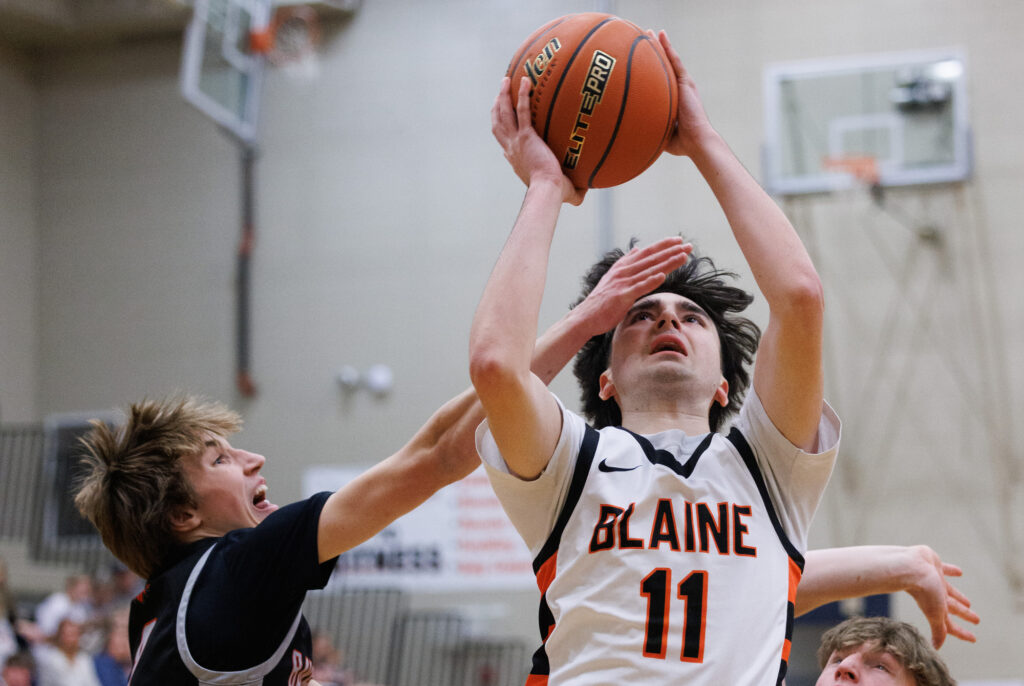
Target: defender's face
x=666 y=338
x=230 y=492
x=865 y=665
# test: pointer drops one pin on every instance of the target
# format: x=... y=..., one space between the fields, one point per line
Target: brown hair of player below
x=603 y=96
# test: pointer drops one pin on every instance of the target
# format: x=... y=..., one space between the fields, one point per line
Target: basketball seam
x=517 y=61
x=622 y=111
x=669 y=74
x=565 y=72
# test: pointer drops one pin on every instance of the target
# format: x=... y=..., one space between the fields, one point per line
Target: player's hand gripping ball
x=603 y=96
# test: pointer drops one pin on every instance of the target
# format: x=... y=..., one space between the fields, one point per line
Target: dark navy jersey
x=228 y=610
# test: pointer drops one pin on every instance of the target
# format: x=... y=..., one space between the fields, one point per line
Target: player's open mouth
x=668 y=345
x=259 y=499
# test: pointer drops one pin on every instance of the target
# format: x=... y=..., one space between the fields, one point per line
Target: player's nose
x=253 y=461
x=846 y=671
x=668 y=318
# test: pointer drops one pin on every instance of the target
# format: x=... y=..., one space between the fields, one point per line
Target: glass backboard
x=907 y=111
x=220 y=73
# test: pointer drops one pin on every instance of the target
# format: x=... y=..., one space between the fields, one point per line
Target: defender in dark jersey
x=226 y=569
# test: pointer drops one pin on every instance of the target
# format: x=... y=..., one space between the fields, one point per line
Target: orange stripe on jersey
x=795 y=574
x=546 y=573
x=537 y=680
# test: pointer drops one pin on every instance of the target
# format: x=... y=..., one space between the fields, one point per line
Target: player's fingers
x=962 y=633
x=662 y=244
x=501 y=111
x=938 y=634
x=664 y=260
x=962 y=611
x=523 y=103
x=673 y=56
x=657 y=250
x=955 y=594
x=951 y=570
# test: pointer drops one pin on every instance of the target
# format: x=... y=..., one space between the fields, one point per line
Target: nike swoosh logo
x=605 y=467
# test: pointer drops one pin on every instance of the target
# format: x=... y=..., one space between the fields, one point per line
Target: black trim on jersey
x=790 y=622
x=783 y=668
x=581 y=471
x=667 y=459
x=740 y=442
x=579 y=477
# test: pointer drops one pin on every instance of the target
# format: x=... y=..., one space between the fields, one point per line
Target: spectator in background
x=74 y=602
x=328 y=662
x=16 y=634
x=113 y=664
x=64 y=663
x=18 y=670
x=10 y=640
x=115 y=588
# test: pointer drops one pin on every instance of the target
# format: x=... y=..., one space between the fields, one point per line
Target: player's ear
x=606 y=387
x=184 y=519
x=722 y=393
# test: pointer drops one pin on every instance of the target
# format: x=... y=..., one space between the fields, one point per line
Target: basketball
x=603 y=96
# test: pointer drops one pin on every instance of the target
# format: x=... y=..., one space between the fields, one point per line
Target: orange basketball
x=604 y=95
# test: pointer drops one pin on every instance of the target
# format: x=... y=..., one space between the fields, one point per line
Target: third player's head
x=166 y=475
x=697 y=290
x=878 y=651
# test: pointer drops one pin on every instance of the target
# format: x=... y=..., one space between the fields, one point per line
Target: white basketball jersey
x=664 y=558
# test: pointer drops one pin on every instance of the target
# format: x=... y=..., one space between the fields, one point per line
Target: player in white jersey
x=621 y=604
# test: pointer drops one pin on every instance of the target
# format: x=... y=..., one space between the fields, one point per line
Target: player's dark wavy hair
x=703 y=283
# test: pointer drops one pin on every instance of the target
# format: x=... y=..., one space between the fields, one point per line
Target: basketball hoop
x=290 y=41
x=861 y=168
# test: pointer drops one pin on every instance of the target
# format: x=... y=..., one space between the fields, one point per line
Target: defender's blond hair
x=899 y=639
x=133 y=480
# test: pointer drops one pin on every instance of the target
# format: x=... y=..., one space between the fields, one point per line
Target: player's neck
x=659 y=408
x=656 y=421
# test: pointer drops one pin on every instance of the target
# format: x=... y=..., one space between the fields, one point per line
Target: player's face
x=865 y=665
x=230 y=491
x=666 y=338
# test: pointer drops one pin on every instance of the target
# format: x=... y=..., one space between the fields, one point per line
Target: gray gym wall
x=382 y=202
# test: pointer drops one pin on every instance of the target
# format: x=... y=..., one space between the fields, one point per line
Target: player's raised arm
x=788 y=372
x=836 y=573
x=523 y=416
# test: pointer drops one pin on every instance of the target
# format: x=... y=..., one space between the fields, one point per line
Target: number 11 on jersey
x=656 y=587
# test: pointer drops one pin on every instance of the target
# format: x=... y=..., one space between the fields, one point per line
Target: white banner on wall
x=458 y=540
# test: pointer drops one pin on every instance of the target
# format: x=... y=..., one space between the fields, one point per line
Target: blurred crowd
x=75 y=636
x=78 y=636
